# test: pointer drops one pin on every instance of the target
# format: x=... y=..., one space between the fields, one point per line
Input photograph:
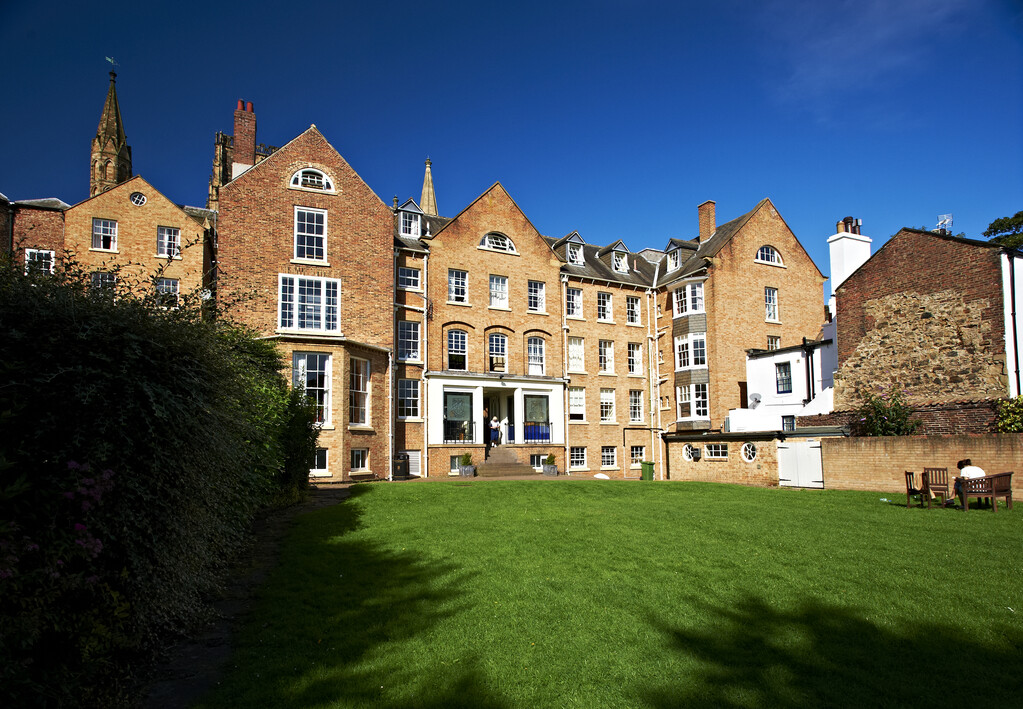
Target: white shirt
x=972 y=471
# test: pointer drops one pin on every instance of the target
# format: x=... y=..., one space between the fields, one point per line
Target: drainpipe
x=564 y=366
x=808 y=367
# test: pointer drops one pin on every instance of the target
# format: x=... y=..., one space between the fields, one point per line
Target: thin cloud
x=832 y=50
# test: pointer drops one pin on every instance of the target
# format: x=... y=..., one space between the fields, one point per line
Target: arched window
x=498 y=353
x=769 y=254
x=497 y=242
x=457 y=345
x=312 y=179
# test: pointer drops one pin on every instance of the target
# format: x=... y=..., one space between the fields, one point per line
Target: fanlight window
x=769 y=254
x=312 y=180
x=498 y=242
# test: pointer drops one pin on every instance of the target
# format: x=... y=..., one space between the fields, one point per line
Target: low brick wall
x=958 y=417
x=879 y=463
x=762 y=471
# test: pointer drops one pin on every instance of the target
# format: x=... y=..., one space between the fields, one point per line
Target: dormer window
x=674 y=260
x=769 y=254
x=497 y=242
x=409 y=224
x=575 y=254
x=621 y=262
x=310 y=179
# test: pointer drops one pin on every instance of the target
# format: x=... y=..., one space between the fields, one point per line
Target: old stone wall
x=959 y=417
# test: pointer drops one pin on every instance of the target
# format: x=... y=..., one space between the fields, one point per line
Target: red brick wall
x=37 y=229
x=880 y=463
x=936 y=419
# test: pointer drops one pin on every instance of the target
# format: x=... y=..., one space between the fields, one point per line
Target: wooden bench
x=990 y=486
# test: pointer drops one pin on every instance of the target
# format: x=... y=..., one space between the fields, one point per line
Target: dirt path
x=195 y=665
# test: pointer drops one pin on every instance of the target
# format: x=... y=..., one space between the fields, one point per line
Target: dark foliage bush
x=886 y=414
x=136 y=443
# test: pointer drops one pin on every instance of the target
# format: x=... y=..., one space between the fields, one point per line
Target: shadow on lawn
x=349 y=599
x=754 y=655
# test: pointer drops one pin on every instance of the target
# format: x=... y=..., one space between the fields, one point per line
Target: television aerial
x=944 y=223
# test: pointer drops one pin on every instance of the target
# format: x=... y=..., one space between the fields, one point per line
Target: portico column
x=477 y=412
x=520 y=417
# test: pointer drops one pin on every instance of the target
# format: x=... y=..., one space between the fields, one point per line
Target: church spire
x=111 y=154
x=428 y=203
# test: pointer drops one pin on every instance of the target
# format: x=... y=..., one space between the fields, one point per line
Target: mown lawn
x=614 y=594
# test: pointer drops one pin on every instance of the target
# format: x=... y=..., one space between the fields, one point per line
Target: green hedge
x=137 y=443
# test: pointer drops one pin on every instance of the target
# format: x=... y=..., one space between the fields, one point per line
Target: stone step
x=503 y=471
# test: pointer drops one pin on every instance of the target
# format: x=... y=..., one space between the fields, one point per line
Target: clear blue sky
x=611 y=117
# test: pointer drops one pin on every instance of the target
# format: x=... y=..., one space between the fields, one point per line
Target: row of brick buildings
x=413 y=331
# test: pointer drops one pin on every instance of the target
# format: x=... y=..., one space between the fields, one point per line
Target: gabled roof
x=573 y=237
x=410 y=206
x=616 y=246
x=132 y=185
x=45 y=203
x=641 y=271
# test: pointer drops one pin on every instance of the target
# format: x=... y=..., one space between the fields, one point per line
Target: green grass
x=604 y=594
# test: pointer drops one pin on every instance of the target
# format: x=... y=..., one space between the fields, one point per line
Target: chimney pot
x=241 y=105
x=248 y=107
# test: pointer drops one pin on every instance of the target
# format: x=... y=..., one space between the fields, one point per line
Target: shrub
x=466 y=459
x=138 y=441
x=549 y=460
x=1010 y=415
x=886 y=414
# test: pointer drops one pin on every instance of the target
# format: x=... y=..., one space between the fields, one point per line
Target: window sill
x=609 y=467
x=538 y=312
x=577 y=371
x=768 y=263
x=497 y=251
x=360 y=428
x=636 y=375
x=583 y=421
x=411 y=419
x=505 y=308
x=578 y=470
x=458 y=303
x=607 y=322
x=415 y=360
x=773 y=322
x=309 y=262
x=608 y=423
x=105 y=251
x=410 y=290
x=607 y=374
x=319 y=473
x=297 y=188
x=173 y=258
x=575 y=317
x=326 y=427
x=633 y=324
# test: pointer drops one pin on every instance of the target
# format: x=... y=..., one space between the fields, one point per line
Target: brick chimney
x=708 y=220
x=244 y=135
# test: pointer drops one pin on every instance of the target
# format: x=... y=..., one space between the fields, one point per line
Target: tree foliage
x=138 y=442
x=1010 y=415
x=886 y=414
x=1007 y=231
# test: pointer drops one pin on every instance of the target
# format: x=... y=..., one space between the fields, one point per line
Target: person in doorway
x=966 y=470
x=495 y=432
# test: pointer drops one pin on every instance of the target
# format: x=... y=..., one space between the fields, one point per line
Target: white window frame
x=577 y=404
x=411 y=224
x=166 y=287
x=691 y=351
x=771 y=309
x=458 y=286
x=773 y=342
x=607 y=406
x=359 y=460
x=358 y=392
x=408 y=399
x=635 y=358
x=536 y=296
x=536 y=356
x=575 y=254
x=574 y=303
x=319 y=471
x=103 y=279
x=104 y=231
x=715 y=451
x=688 y=300
x=769 y=255
x=497 y=352
x=307 y=178
x=168 y=242
x=695 y=399
x=633 y=314
x=605 y=307
x=322 y=394
x=457 y=345
x=492 y=241
x=635 y=405
x=498 y=291
x=636 y=455
x=606 y=356
x=577 y=457
x=408 y=341
x=314 y=242
x=674 y=260
x=749 y=451
x=32 y=258
x=620 y=262
x=783 y=377
x=609 y=457
x=576 y=354
x=409 y=278
x=322 y=311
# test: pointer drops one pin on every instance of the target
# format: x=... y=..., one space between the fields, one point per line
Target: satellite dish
x=754 y=400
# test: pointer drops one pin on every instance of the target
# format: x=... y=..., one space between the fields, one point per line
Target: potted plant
x=549 y=468
x=465 y=468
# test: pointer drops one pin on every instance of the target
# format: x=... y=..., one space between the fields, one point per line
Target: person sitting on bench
x=966 y=470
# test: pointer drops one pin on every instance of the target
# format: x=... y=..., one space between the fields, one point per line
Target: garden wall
x=957 y=417
x=869 y=463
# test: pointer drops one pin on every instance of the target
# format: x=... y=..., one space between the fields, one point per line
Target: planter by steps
x=550 y=469
x=467 y=471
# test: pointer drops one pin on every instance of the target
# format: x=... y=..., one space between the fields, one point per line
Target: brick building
x=933 y=314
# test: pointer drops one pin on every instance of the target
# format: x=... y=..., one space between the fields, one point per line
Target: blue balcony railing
x=537 y=433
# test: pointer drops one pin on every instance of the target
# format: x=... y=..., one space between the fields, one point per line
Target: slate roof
x=598 y=266
x=45 y=203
